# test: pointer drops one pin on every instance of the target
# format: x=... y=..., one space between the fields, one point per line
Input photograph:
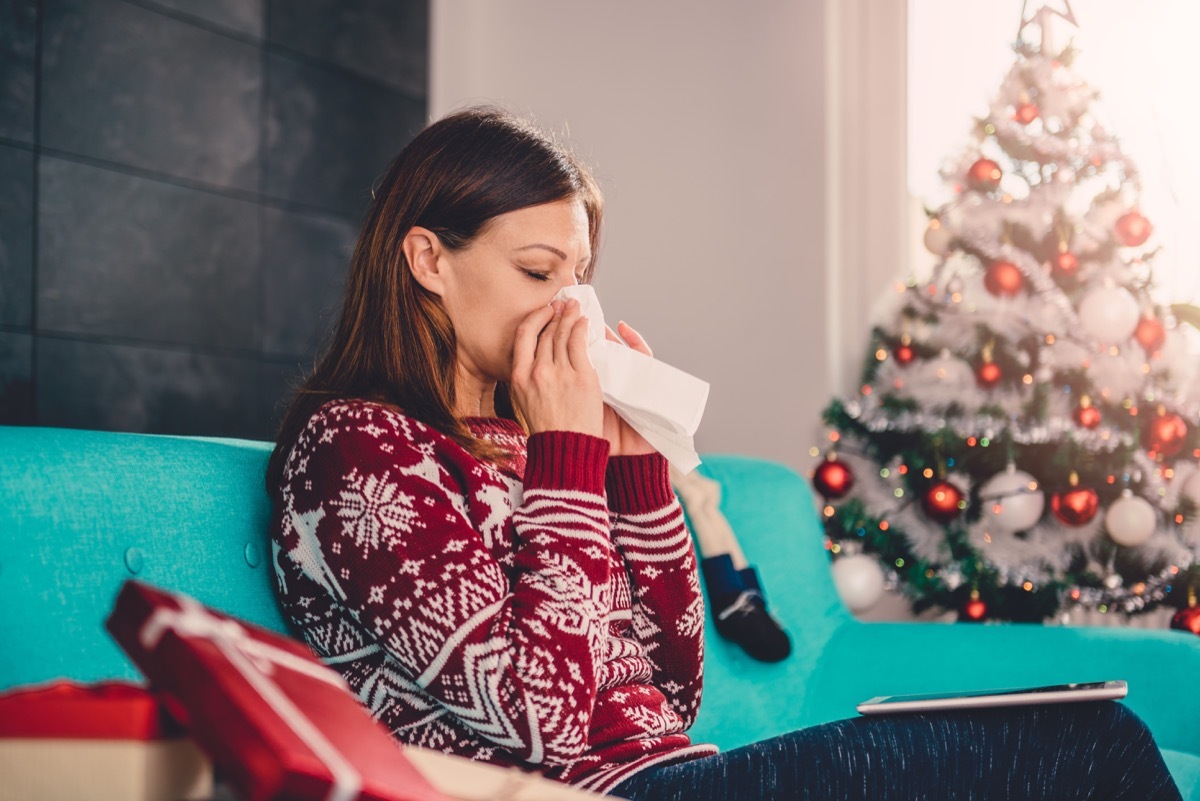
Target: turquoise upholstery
x=80 y=511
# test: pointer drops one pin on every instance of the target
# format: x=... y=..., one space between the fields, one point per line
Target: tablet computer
x=1018 y=696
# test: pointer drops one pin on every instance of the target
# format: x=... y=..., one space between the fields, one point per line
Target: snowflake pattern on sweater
x=546 y=615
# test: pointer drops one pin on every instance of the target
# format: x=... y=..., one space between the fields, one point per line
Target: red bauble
x=1087 y=415
x=904 y=354
x=1065 y=264
x=1133 y=229
x=988 y=375
x=984 y=175
x=976 y=609
x=1076 y=506
x=1165 y=434
x=1026 y=113
x=833 y=479
x=1003 y=279
x=1150 y=334
x=941 y=501
x=1187 y=619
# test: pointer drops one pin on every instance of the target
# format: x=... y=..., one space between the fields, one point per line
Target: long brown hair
x=393 y=342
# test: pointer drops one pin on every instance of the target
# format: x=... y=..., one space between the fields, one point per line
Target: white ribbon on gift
x=662 y=403
x=255 y=661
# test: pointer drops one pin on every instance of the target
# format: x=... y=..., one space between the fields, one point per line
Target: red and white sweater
x=546 y=615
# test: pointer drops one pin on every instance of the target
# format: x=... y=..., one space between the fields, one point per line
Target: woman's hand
x=622 y=438
x=553 y=382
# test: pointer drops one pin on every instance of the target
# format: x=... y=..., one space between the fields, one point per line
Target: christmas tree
x=1026 y=437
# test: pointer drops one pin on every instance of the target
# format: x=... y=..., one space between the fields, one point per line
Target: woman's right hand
x=554 y=384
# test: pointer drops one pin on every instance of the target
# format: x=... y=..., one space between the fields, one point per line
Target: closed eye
x=537 y=276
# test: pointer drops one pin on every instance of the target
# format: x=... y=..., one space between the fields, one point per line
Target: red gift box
x=95 y=742
x=66 y=710
x=277 y=722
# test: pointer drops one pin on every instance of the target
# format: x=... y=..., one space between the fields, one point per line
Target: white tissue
x=662 y=403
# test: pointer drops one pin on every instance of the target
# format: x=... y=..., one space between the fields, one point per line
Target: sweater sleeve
x=511 y=650
x=668 y=608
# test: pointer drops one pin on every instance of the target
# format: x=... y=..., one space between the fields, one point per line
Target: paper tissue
x=662 y=403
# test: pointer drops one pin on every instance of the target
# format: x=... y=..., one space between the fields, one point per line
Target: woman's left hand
x=623 y=439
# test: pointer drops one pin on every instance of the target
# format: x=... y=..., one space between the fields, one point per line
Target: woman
x=495 y=561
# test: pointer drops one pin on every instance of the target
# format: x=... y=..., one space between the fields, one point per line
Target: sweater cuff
x=566 y=460
x=638 y=484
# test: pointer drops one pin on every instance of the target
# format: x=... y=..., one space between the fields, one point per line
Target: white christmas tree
x=1027 y=434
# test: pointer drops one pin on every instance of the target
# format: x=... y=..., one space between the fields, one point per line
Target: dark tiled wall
x=181 y=183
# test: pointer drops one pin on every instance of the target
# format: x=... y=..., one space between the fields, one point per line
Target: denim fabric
x=1093 y=750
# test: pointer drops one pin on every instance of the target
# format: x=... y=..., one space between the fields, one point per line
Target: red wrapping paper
x=67 y=710
x=235 y=700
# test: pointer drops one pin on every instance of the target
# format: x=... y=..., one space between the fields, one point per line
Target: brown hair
x=393 y=342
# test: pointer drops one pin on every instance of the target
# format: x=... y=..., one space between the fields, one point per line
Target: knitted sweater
x=546 y=614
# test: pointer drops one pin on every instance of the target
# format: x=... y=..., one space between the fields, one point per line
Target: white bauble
x=1130 y=521
x=949 y=371
x=859 y=581
x=1012 y=501
x=938 y=237
x=1109 y=314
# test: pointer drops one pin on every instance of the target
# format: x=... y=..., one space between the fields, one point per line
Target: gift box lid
x=276 y=722
x=67 y=710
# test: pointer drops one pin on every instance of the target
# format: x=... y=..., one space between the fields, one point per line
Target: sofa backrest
x=81 y=511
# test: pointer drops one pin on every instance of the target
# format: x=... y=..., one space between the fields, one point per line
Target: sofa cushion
x=1185 y=770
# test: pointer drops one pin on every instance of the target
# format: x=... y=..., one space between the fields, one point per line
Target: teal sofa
x=80 y=511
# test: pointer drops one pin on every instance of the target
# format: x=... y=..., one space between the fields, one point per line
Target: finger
x=633 y=338
x=526 y=341
x=545 y=343
x=570 y=316
x=577 y=346
x=611 y=336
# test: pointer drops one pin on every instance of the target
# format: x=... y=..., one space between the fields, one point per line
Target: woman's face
x=515 y=266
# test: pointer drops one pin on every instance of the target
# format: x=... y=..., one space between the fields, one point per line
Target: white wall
x=705 y=121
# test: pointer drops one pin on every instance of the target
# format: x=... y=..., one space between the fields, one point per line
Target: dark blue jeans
x=1058 y=752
